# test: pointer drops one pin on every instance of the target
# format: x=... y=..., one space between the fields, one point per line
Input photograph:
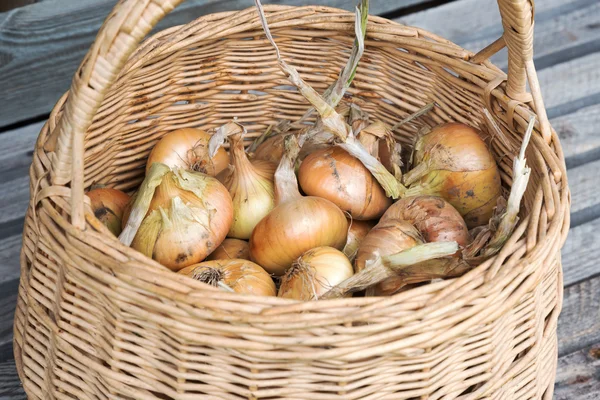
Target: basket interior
x=207 y=82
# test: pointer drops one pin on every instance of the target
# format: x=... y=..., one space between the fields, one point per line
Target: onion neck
x=286 y=184
x=239 y=159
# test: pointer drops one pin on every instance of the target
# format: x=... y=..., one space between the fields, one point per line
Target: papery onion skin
x=182 y=227
x=294 y=227
x=356 y=233
x=109 y=205
x=251 y=186
x=271 y=149
x=242 y=276
x=314 y=273
x=188 y=148
x=435 y=218
x=231 y=248
x=387 y=237
x=460 y=168
x=335 y=175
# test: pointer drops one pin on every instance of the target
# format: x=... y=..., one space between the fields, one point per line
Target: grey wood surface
x=567 y=53
x=577 y=376
x=563 y=28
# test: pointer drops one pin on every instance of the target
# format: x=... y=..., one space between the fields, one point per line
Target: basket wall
x=96 y=320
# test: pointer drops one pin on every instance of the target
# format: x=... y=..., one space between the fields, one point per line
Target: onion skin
x=242 y=276
x=271 y=150
x=356 y=233
x=295 y=227
x=188 y=217
x=109 y=205
x=315 y=273
x=251 y=187
x=452 y=161
x=231 y=248
x=187 y=148
x=335 y=175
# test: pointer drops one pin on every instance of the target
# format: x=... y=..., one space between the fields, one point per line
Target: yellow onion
x=187 y=148
x=384 y=239
x=356 y=233
x=109 y=205
x=335 y=175
x=230 y=248
x=452 y=161
x=315 y=273
x=178 y=216
x=251 y=187
x=297 y=223
x=407 y=223
x=240 y=276
x=435 y=218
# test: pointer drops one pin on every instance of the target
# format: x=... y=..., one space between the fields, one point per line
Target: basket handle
x=131 y=20
x=127 y=24
x=518 y=22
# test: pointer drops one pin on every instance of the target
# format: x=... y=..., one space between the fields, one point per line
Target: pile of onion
x=297 y=223
x=344 y=233
x=109 y=205
x=178 y=216
x=240 y=276
x=453 y=162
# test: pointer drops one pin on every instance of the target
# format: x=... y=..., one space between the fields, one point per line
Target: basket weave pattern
x=97 y=320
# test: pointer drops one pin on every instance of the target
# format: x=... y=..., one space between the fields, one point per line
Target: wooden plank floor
x=54 y=35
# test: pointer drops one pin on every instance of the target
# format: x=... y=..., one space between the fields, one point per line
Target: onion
x=109 y=205
x=384 y=239
x=240 y=276
x=187 y=148
x=231 y=248
x=452 y=161
x=251 y=188
x=435 y=218
x=315 y=273
x=335 y=175
x=357 y=232
x=407 y=223
x=297 y=223
x=178 y=217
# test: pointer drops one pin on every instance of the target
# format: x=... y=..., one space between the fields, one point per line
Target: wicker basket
x=96 y=320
